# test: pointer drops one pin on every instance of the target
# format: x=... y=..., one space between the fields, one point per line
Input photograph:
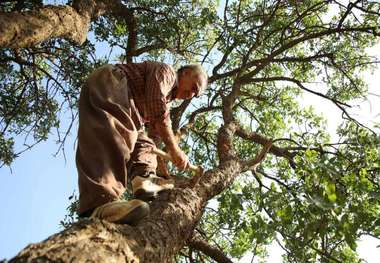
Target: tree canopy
x=294 y=183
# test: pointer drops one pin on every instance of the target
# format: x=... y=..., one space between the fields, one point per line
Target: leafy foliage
x=315 y=194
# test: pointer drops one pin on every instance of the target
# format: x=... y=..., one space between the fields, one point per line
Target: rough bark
x=157 y=238
x=25 y=29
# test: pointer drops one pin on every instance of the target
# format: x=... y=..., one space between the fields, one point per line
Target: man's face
x=189 y=84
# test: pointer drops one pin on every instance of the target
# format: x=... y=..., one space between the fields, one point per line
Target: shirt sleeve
x=159 y=83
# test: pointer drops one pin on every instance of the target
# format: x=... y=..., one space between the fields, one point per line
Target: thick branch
x=158 y=238
x=209 y=250
x=27 y=29
x=225 y=145
x=18 y=30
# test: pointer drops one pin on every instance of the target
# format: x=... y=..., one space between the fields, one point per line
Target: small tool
x=197 y=169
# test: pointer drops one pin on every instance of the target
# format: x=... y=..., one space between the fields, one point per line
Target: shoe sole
x=135 y=215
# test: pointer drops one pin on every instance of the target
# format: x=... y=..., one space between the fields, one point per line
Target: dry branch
x=209 y=250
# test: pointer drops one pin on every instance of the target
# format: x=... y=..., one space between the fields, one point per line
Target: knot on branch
x=225 y=141
x=94 y=8
x=216 y=253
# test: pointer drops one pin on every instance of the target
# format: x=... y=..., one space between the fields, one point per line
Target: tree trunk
x=157 y=238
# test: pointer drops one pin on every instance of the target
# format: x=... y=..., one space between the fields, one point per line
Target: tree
x=272 y=170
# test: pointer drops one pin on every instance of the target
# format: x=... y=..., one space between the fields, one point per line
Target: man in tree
x=115 y=104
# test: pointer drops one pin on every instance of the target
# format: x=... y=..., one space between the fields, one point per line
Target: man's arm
x=180 y=159
x=160 y=82
x=162 y=168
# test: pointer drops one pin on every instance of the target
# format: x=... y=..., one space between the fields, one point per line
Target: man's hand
x=180 y=159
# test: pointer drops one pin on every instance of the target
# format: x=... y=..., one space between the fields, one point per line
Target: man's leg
x=142 y=171
x=106 y=138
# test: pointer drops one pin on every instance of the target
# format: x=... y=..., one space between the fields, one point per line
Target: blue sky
x=34 y=195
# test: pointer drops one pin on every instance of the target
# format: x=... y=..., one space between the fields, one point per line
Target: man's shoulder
x=161 y=72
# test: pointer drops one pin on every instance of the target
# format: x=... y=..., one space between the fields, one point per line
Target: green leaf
x=330 y=191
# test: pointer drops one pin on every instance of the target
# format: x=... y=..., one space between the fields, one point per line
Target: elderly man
x=115 y=104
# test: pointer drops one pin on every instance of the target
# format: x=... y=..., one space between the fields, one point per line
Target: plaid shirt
x=152 y=85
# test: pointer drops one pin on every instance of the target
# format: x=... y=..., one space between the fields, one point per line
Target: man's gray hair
x=197 y=70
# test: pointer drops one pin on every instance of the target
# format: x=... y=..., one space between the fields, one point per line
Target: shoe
x=147 y=186
x=122 y=212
